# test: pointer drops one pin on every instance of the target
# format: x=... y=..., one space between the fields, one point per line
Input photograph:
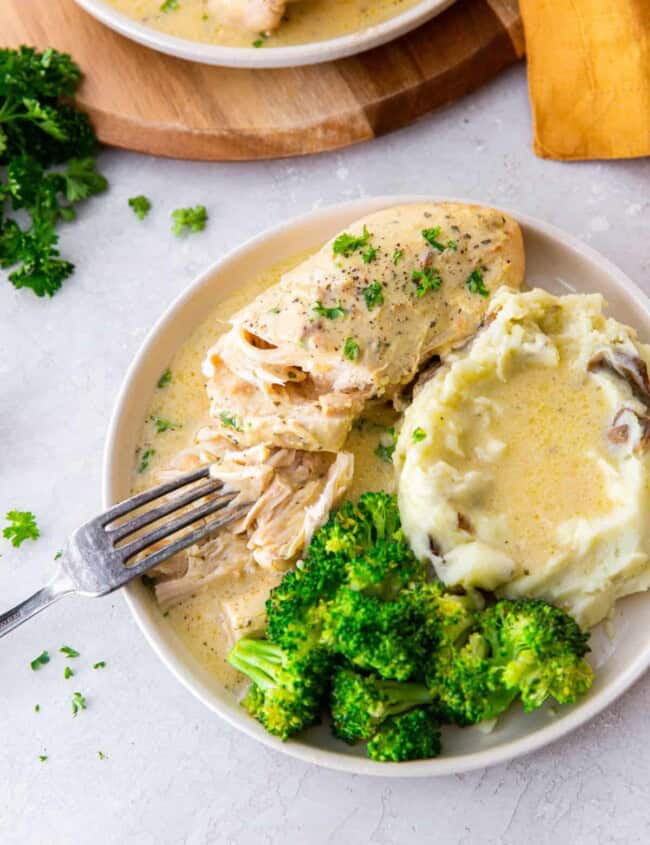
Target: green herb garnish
x=22 y=526
x=102 y=756
x=373 y=295
x=189 y=219
x=69 y=652
x=330 y=313
x=37 y=708
x=164 y=379
x=387 y=445
x=369 y=254
x=163 y=425
x=58 y=555
x=351 y=349
x=141 y=206
x=230 y=421
x=78 y=703
x=39 y=127
x=42 y=757
x=418 y=434
x=475 y=283
x=346 y=243
x=145 y=460
x=397 y=256
x=426 y=280
x=169 y=6
x=99 y=665
x=67 y=673
x=39 y=661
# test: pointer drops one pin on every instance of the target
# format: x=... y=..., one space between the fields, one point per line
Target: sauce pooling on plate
x=303 y=22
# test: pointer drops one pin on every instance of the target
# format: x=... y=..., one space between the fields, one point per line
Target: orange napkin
x=589 y=77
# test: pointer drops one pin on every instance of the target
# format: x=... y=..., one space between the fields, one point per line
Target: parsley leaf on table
x=189 y=219
x=22 y=526
x=141 y=206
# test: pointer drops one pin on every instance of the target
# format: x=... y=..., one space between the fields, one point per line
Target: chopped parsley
x=42 y=757
x=69 y=652
x=397 y=256
x=386 y=445
x=431 y=236
x=169 y=5
x=22 y=526
x=37 y=708
x=230 y=421
x=369 y=254
x=426 y=280
x=351 y=349
x=102 y=756
x=39 y=661
x=475 y=283
x=78 y=703
x=452 y=245
x=67 y=673
x=418 y=434
x=141 y=206
x=189 y=219
x=58 y=555
x=100 y=664
x=346 y=243
x=259 y=42
x=145 y=460
x=163 y=425
x=164 y=379
x=330 y=313
x=373 y=295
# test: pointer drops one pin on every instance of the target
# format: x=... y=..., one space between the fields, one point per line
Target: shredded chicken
x=348 y=325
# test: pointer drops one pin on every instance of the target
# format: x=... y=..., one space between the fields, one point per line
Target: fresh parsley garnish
x=37 y=708
x=161 y=425
x=475 y=283
x=369 y=254
x=42 y=757
x=39 y=661
x=431 y=237
x=452 y=245
x=164 y=379
x=141 y=206
x=169 y=5
x=67 y=673
x=329 y=313
x=397 y=256
x=145 y=460
x=418 y=434
x=102 y=756
x=426 y=280
x=230 y=421
x=58 y=555
x=39 y=127
x=351 y=349
x=346 y=243
x=69 y=652
x=373 y=295
x=259 y=42
x=99 y=665
x=386 y=445
x=189 y=219
x=78 y=703
x=22 y=526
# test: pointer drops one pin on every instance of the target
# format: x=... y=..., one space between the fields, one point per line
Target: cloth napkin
x=589 y=77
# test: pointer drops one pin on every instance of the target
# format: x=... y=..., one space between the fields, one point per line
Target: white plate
x=267 y=57
x=554 y=261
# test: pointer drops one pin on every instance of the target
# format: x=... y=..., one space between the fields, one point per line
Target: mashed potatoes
x=523 y=462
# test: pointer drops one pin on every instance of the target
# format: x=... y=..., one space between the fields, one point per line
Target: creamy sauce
x=198 y=621
x=553 y=431
x=304 y=22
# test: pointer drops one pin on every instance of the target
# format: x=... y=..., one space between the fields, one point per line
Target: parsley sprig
x=426 y=280
x=329 y=313
x=22 y=526
x=346 y=243
x=373 y=295
x=189 y=219
x=39 y=127
x=475 y=283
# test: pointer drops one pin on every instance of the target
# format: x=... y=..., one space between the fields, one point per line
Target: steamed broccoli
x=412 y=736
x=524 y=648
x=287 y=690
x=361 y=703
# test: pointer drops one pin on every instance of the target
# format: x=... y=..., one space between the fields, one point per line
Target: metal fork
x=95 y=563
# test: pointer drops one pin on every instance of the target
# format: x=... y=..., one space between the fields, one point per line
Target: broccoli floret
x=389 y=638
x=412 y=736
x=361 y=546
x=287 y=690
x=524 y=648
x=539 y=650
x=360 y=703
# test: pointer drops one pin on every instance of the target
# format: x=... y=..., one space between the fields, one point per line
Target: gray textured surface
x=175 y=773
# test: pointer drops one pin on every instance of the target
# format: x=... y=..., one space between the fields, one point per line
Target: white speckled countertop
x=175 y=774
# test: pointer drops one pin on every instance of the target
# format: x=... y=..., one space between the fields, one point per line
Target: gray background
x=175 y=773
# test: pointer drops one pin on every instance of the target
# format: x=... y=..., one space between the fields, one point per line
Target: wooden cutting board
x=153 y=103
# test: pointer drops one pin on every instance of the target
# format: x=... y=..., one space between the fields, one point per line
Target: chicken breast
x=254 y=15
x=356 y=321
x=293 y=493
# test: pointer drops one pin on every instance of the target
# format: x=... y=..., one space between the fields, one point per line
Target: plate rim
x=313 y=52
x=440 y=766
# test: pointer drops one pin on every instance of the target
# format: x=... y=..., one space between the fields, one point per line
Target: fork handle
x=58 y=587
